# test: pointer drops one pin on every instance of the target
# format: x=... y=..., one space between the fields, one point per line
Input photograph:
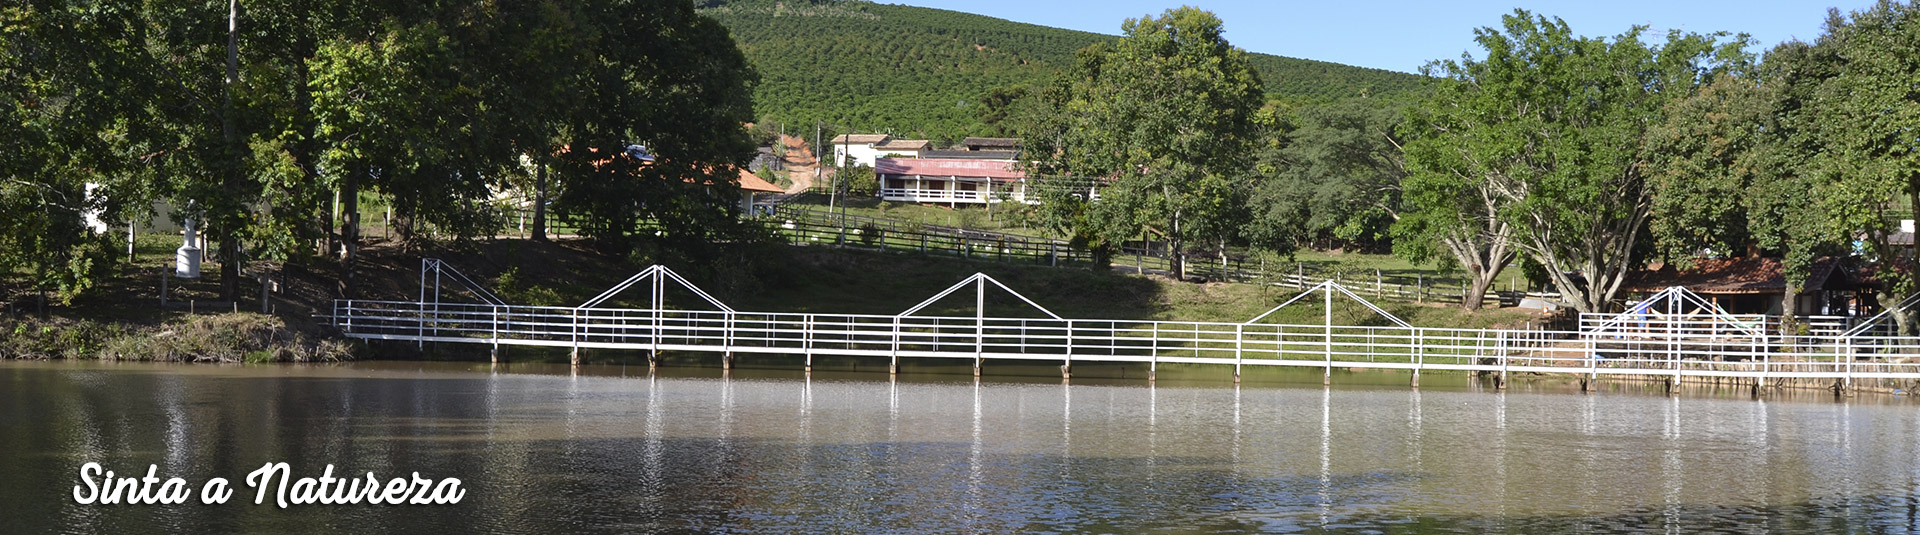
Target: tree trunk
x=349 y=230
x=230 y=183
x=1902 y=320
x=1176 y=255
x=1483 y=280
x=540 y=204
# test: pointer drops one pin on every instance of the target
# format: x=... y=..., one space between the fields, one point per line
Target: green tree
x=1168 y=117
x=671 y=79
x=1549 y=132
x=78 y=81
x=1864 y=117
x=1335 y=176
x=1730 y=168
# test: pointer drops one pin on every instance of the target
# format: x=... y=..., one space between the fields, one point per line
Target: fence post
x=893 y=368
x=806 y=340
x=1846 y=346
x=1066 y=368
x=1500 y=351
x=1153 y=354
x=1593 y=368
x=1419 y=351
x=726 y=339
x=1239 y=335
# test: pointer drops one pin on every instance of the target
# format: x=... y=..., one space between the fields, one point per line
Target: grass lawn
x=997 y=218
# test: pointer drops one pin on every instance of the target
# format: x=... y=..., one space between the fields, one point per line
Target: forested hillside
x=921 y=72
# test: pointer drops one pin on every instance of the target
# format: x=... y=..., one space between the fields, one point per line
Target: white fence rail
x=1643 y=352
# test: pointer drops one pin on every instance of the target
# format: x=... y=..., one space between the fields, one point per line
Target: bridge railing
x=1639 y=352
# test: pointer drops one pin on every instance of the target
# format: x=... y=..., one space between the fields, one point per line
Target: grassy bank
x=241 y=337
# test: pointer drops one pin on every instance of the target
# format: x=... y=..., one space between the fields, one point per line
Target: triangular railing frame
x=1884 y=315
x=979 y=281
x=1329 y=286
x=440 y=268
x=658 y=275
x=1683 y=296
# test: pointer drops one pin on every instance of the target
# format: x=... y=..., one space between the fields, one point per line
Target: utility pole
x=819 y=162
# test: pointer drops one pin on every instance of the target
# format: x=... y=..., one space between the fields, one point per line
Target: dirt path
x=800 y=163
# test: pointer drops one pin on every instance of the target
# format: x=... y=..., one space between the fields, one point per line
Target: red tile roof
x=1737 y=276
x=749 y=182
x=932 y=167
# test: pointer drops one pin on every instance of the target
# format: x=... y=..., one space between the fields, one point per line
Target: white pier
x=1674 y=335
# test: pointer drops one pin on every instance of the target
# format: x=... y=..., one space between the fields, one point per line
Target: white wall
x=862 y=155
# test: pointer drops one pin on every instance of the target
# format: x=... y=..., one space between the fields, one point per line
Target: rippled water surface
x=770 y=452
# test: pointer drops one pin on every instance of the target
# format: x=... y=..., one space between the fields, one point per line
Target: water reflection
x=750 y=451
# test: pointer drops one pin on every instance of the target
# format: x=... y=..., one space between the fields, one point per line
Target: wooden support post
x=1066 y=365
x=1417 y=350
x=1239 y=335
x=1327 y=378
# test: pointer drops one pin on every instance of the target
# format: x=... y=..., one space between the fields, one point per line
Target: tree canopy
x=258 y=115
x=1548 y=131
x=1167 y=118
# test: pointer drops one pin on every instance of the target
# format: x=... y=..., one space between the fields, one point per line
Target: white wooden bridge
x=1671 y=336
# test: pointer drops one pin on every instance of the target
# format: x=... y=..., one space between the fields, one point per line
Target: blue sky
x=1403 y=35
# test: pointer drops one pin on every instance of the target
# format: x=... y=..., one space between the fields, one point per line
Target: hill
x=921 y=72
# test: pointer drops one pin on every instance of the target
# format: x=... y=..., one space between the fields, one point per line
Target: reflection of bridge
x=1624 y=348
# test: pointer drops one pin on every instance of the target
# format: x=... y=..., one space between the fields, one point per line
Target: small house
x=1754 y=285
x=950 y=180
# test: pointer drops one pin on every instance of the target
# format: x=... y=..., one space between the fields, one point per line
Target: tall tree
x=671 y=79
x=1549 y=128
x=1865 y=116
x=1731 y=168
x=1335 y=176
x=1168 y=117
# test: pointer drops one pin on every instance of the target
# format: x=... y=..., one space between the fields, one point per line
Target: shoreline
x=217 y=337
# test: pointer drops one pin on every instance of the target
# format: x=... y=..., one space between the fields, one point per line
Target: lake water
x=541 y=450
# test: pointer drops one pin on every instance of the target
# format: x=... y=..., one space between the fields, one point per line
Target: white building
x=950 y=180
x=864 y=149
x=856 y=149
